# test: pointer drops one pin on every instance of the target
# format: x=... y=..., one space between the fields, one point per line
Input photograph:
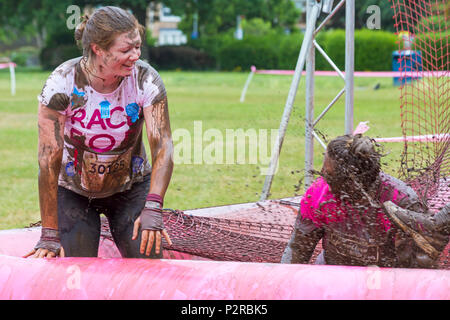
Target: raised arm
x=50 y=146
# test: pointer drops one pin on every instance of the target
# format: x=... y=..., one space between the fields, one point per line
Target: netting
x=424 y=101
x=256 y=234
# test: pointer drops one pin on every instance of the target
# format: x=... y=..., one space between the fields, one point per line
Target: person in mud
x=92 y=159
x=364 y=216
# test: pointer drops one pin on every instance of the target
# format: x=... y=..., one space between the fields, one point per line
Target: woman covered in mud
x=92 y=159
x=364 y=216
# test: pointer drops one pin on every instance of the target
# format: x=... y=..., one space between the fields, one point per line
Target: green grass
x=213 y=99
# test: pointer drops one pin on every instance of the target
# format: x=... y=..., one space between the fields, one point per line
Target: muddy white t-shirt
x=103 y=148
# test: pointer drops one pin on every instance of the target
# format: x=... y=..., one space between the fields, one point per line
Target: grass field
x=212 y=100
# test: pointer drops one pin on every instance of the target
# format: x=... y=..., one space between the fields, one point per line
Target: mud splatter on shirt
x=103 y=149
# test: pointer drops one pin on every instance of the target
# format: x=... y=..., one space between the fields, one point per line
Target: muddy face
x=119 y=60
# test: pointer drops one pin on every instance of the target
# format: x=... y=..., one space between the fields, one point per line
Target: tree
x=256 y=27
x=361 y=15
x=31 y=18
x=46 y=19
x=216 y=16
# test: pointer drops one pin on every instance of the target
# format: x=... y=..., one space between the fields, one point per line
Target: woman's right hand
x=48 y=246
x=44 y=253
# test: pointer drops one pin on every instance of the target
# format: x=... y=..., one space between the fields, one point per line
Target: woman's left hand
x=152 y=228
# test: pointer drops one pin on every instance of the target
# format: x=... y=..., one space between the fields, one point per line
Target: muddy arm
x=50 y=146
x=429 y=232
x=303 y=241
x=161 y=145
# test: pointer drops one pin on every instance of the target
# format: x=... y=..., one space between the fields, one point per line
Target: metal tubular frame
x=307 y=56
x=348 y=89
x=312 y=15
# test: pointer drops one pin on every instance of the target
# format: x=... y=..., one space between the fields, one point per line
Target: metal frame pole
x=349 y=63
x=307 y=55
x=306 y=44
x=309 y=110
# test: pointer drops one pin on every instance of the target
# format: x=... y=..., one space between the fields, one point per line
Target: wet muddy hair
x=356 y=164
x=103 y=27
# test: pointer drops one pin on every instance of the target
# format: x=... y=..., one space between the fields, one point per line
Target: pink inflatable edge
x=111 y=277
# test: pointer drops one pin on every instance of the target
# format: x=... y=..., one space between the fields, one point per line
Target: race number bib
x=105 y=172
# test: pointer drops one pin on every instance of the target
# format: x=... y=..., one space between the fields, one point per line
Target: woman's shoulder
x=59 y=85
x=318 y=200
x=320 y=184
x=142 y=64
x=390 y=182
x=149 y=83
x=67 y=67
x=145 y=73
x=316 y=193
x=397 y=191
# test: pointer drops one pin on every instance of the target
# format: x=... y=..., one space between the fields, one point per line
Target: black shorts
x=79 y=221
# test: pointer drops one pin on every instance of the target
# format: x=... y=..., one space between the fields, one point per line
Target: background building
x=164 y=26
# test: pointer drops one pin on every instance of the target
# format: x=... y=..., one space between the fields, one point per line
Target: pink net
x=423 y=44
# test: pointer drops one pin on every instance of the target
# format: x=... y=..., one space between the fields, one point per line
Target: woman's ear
x=96 y=49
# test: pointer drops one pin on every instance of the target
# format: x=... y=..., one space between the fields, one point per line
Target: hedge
x=434 y=47
x=373 y=52
x=53 y=56
x=179 y=57
x=259 y=51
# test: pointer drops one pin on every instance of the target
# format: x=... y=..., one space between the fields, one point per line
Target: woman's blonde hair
x=103 y=27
